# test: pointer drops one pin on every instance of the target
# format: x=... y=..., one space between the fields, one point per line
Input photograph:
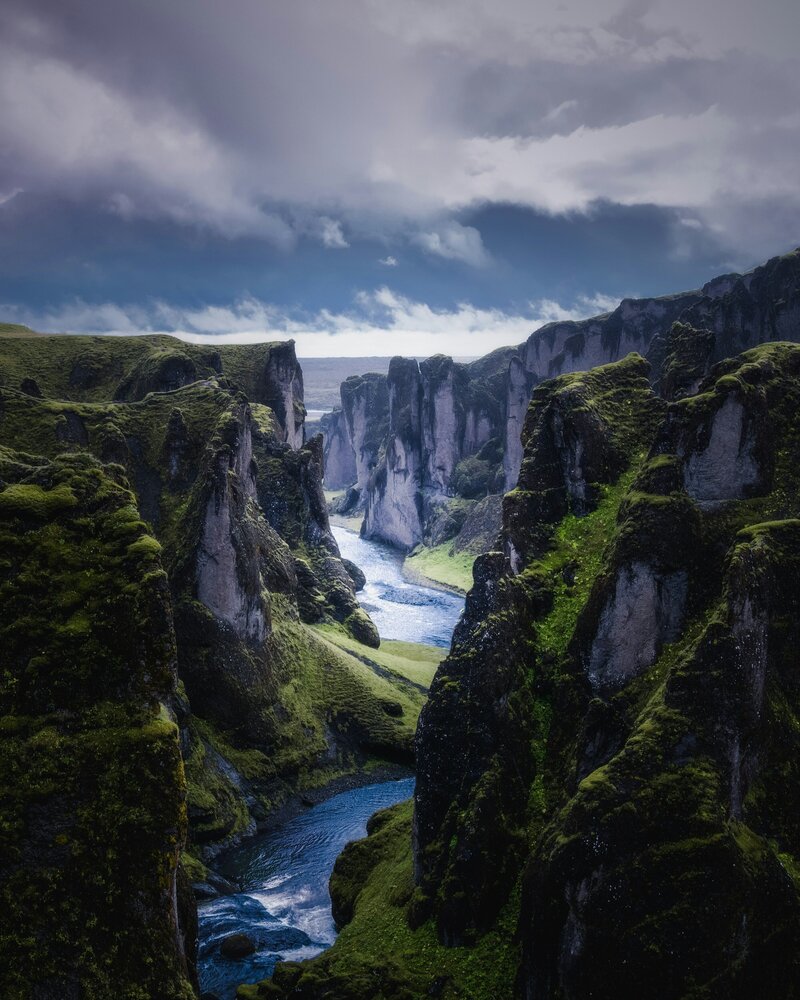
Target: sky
x=375 y=177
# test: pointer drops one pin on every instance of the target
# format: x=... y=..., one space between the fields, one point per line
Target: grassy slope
x=440 y=564
x=413 y=661
x=15 y=330
x=50 y=359
x=319 y=682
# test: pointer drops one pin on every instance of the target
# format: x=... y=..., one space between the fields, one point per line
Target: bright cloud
x=379 y=323
x=454 y=242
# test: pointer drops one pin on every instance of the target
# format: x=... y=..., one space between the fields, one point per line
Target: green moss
x=573 y=563
x=411 y=661
x=91 y=837
x=30 y=500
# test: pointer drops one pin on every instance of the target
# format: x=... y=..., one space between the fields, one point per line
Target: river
x=284 y=906
x=400 y=610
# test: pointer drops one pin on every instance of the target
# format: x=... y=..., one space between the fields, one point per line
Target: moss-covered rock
x=249 y=556
x=617 y=722
x=618 y=709
x=91 y=777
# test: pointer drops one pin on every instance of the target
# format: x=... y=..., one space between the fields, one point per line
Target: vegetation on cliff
x=91 y=778
x=160 y=609
x=607 y=762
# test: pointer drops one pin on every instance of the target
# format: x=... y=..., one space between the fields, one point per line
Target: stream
x=283 y=905
x=400 y=610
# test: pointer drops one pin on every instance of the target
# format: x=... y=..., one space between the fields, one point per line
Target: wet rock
x=355 y=574
x=236 y=946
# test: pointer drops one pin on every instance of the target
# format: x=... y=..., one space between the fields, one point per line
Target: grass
x=325 y=685
x=579 y=542
x=441 y=565
x=412 y=661
x=16 y=330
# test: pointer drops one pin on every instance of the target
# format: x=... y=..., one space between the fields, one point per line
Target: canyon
x=606 y=762
x=404 y=446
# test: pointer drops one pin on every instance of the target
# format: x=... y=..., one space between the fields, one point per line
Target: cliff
x=251 y=562
x=441 y=415
x=354 y=435
x=267 y=705
x=729 y=314
x=446 y=430
x=607 y=781
x=645 y=669
x=94 y=903
x=126 y=369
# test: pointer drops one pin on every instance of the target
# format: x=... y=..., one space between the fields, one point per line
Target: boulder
x=237 y=946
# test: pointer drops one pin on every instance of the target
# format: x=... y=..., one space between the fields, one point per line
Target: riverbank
x=287 y=916
x=436 y=567
x=349 y=523
x=439 y=566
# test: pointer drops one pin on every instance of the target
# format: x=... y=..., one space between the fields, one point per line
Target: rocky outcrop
x=228 y=582
x=299 y=514
x=617 y=720
x=356 y=434
x=93 y=789
x=161 y=371
x=118 y=754
x=279 y=385
x=340 y=459
x=440 y=414
x=481 y=527
x=726 y=316
x=250 y=559
x=469 y=814
x=460 y=410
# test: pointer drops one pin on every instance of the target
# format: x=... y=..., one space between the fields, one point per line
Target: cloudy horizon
x=372 y=177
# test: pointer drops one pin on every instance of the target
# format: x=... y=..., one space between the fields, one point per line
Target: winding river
x=400 y=610
x=283 y=905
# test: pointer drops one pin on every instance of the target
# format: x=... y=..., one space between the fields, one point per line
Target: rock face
x=436 y=422
x=249 y=562
x=354 y=434
x=222 y=564
x=440 y=414
x=727 y=315
x=340 y=459
x=93 y=788
x=615 y=730
x=475 y=768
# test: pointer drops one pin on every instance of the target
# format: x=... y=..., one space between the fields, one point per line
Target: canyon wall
x=213 y=507
x=411 y=468
x=613 y=717
x=94 y=901
x=607 y=766
x=409 y=432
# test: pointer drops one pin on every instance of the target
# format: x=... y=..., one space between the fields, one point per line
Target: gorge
x=199 y=685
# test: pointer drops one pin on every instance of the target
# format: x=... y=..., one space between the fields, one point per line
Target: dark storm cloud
x=282 y=150
x=374 y=112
